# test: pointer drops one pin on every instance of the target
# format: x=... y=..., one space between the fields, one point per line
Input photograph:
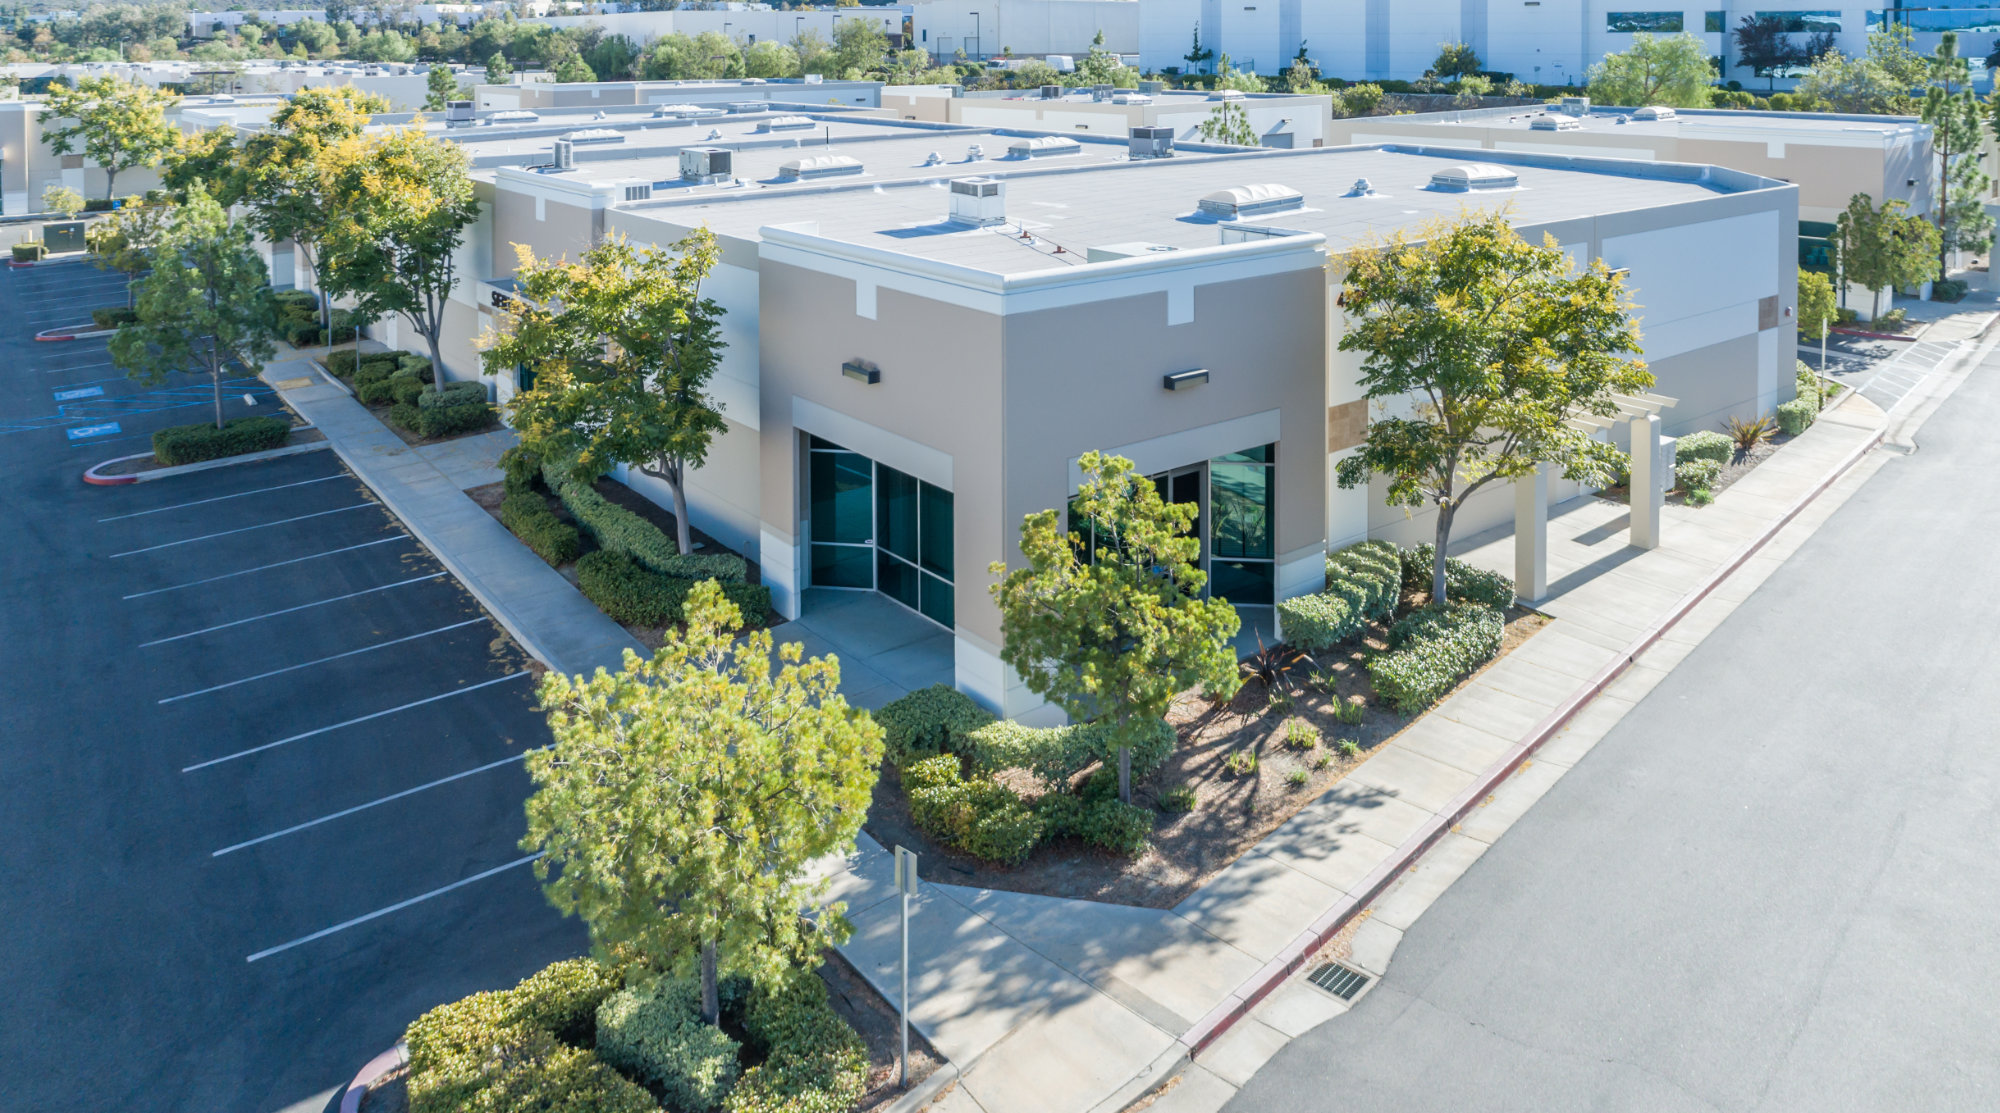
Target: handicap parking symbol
x=85 y=432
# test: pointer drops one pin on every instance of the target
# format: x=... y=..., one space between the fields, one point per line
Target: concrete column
x=1647 y=492
x=1531 y=536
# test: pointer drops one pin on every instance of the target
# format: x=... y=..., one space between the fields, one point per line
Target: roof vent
x=565 y=155
x=1052 y=92
x=1555 y=123
x=1251 y=200
x=1469 y=177
x=978 y=201
x=1624 y=119
x=714 y=134
x=1226 y=94
x=1150 y=141
x=1044 y=146
x=786 y=123
x=1653 y=112
x=933 y=159
x=513 y=116
x=596 y=135
x=635 y=190
x=705 y=164
x=1131 y=98
x=1574 y=106
x=818 y=166
x=975 y=153
x=1362 y=188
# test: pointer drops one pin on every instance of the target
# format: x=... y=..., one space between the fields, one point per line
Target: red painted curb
x=1864 y=333
x=1221 y=1018
x=91 y=477
x=350 y=1102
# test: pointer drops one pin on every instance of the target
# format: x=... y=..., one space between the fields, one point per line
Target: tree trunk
x=676 y=476
x=1438 y=598
x=711 y=1001
x=437 y=359
x=110 y=176
x=1125 y=774
x=215 y=374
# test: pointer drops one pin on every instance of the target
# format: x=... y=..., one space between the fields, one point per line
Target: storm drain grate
x=1338 y=980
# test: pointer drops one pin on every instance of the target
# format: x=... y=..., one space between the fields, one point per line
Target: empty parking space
x=267 y=756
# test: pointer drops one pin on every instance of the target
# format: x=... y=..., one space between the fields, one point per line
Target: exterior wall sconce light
x=861 y=372
x=1186 y=380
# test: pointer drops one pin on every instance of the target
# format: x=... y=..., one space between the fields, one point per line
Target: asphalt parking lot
x=263 y=756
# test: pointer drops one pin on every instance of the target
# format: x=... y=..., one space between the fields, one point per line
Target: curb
x=1867 y=335
x=1221 y=1018
x=91 y=477
x=923 y=1092
x=51 y=334
x=350 y=1101
x=49 y=262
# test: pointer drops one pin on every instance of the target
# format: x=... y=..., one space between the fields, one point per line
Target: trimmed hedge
x=113 y=317
x=1433 y=649
x=978 y=817
x=405 y=387
x=1704 y=445
x=1948 y=289
x=29 y=252
x=1795 y=416
x=341 y=363
x=1104 y=822
x=529 y=518
x=1462 y=582
x=814 y=1061
x=1363 y=582
x=1697 y=475
x=189 y=444
x=519 y=469
x=1055 y=755
x=654 y=1035
x=621 y=531
x=638 y=596
x=929 y=721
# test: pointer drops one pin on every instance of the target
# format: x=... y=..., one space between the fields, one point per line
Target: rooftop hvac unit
x=1574 y=106
x=1102 y=92
x=1151 y=141
x=1044 y=146
x=595 y=135
x=1251 y=200
x=458 y=114
x=565 y=155
x=1471 y=177
x=1052 y=92
x=787 y=123
x=705 y=164
x=1556 y=123
x=1152 y=88
x=1653 y=112
x=818 y=166
x=978 y=201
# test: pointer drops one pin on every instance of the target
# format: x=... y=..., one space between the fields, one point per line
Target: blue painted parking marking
x=80 y=392
x=82 y=432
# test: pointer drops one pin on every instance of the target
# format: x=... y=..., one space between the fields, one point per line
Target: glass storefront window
x=874 y=527
x=936 y=545
x=1800 y=23
x=896 y=512
x=842 y=566
x=1653 y=22
x=842 y=506
x=1715 y=22
x=1239 y=498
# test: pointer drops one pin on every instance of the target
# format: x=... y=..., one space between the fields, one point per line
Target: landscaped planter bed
x=404 y=406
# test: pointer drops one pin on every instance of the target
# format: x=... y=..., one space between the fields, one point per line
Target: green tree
x=204 y=158
x=124 y=241
x=412 y=201
x=1674 y=71
x=1198 y=54
x=623 y=345
x=1228 y=122
x=574 y=70
x=497 y=70
x=1107 y=620
x=1882 y=248
x=62 y=200
x=1102 y=66
x=1493 y=345
x=1456 y=60
x=284 y=172
x=440 y=88
x=116 y=124
x=1953 y=113
x=814 y=51
x=684 y=796
x=205 y=303
x=770 y=58
x=1879 y=82
x=1816 y=305
x=858 y=45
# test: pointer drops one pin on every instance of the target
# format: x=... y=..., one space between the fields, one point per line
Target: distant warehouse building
x=929 y=326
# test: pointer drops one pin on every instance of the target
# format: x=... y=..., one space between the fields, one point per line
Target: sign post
x=906 y=887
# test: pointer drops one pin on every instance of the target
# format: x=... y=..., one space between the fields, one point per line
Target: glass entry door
x=875 y=528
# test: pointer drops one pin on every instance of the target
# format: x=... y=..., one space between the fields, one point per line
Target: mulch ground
x=1233 y=811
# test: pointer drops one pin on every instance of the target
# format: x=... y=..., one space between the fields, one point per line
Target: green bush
x=654 y=1034
x=528 y=516
x=1316 y=622
x=387 y=362
x=1054 y=755
x=113 y=317
x=979 y=817
x=1462 y=582
x=628 y=592
x=520 y=469
x=933 y=720
x=471 y=1054
x=1434 y=649
x=453 y=394
x=405 y=387
x=301 y=334
x=1697 y=475
x=446 y=421
x=814 y=1061
x=620 y=530
x=1796 y=415
x=1112 y=825
x=412 y=363
x=1369 y=576
x=1948 y=289
x=296 y=299
x=1806 y=385
x=1707 y=444
x=29 y=252
x=371 y=392
x=341 y=363
x=188 y=444
x=407 y=416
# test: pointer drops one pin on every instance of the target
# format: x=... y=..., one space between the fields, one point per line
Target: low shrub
x=371 y=392
x=453 y=394
x=295 y=299
x=1369 y=575
x=300 y=334
x=341 y=363
x=405 y=387
x=29 y=252
x=418 y=365
x=113 y=317
x=1350 y=711
x=1316 y=622
x=528 y=516
x=629 y=593
x=1348 y=747
x=1298 y=778
x=977 y=817
x=655 y=1035
x=814 y=1061
x=1893 y=319
x=620 y=530
x=1431 y=650
x=189 y=444
x=519 y=469
x=933 y=720
x=383 y=363
x=99 y=205
x=406 y=416
x=1115 y=826
x=447 y=421
x=1796 y=415
x=1948 y=289
x=1806 y=384
x=1462 y=582
x=472 y=1053
x=1706 y=444
x=1055 y=755
x=1697 y=475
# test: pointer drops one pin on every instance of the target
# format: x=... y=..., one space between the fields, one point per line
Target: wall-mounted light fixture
x=1187 y=380
x=861 y=372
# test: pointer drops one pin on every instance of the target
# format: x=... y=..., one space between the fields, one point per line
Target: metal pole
x=904 y=1080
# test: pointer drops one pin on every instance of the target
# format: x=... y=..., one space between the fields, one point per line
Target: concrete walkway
x=425 y=487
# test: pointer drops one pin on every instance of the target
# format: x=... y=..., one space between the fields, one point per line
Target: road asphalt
x=1771 y=887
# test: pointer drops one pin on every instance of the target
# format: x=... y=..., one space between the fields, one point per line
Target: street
x=1771 y=887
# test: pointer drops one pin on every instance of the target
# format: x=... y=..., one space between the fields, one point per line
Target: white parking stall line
x=317 y=731
x=391 y=798
x=266 y=567
x=322 y=660
x=245 y=529
x=292 y=610
x=224 y=498
x=396 y=907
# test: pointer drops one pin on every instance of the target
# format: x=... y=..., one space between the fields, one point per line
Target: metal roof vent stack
x=1237 y=202
x=1044 y=146
x=714 y=134
x=975 y=153
x=933 y=159
x=1361 y=188
x=705 y=164
x=1471 y=177
x=565 y=155
x=1150 y=141
x=980 y=202
x=1556 y=123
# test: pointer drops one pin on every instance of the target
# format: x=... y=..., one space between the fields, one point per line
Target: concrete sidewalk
x=425 y=487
